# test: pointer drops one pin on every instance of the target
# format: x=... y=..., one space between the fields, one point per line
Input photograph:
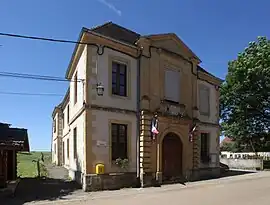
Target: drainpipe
x=138 y=117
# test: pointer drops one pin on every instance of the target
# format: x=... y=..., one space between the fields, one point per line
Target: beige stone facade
x=188 y=100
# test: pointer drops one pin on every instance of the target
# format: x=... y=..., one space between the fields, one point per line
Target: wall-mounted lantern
x=100 y=89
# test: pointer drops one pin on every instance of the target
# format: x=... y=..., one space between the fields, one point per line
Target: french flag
x=154 y=130
x=193 y=129
x=191 y=133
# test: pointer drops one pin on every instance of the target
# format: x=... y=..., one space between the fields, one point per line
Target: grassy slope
x=28 y=168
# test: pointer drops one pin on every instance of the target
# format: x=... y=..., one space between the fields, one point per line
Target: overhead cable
x=30 y=94
x=36 y=77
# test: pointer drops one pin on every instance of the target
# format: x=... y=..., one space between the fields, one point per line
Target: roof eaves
x=66 y=98
x=74 y=51
x=56 y=109
x=208 y=73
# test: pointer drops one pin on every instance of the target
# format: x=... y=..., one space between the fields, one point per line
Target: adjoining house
x=225 y=141
x=12 y=140
x=60 y=131
x=121 y=81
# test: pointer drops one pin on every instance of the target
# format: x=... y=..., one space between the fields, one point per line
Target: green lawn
x=28 y=168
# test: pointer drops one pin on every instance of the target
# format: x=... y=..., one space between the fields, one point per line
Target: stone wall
x=248 y=164
x=112 y=181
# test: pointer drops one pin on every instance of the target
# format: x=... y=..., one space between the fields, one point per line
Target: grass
x=28 y=168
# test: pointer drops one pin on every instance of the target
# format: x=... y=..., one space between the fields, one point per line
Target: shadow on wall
x=34 y=189
x=225 y=171
x=78 y=174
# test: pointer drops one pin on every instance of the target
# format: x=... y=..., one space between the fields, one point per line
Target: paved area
x=52 y=188
x=57 y=172
x=239 y=190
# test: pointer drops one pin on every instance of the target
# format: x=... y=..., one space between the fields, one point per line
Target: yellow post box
x=100 y=168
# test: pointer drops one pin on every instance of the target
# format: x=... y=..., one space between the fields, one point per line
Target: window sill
x=205 y=114
x=173 y=103
x=113 y=163
x=120 y=97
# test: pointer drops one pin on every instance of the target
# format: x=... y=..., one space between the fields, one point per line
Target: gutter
x=138 y=117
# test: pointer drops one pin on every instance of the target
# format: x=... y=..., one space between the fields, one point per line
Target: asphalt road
x=248 y=189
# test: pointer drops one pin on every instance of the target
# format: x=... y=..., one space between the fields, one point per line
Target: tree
x=245 y=97
x=229 y=147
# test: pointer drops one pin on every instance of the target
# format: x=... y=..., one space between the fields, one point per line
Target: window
x=172 y=86
x=54 y=125
x=119 y=79
x=204 y=147
x=64 y=122
x=119 y=141
x=75 y=88
x=67 y=148
x=204 y=96
x=67 y=114
x=75 y=143
x=63 y=155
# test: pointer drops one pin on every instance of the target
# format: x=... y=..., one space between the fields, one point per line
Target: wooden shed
x=12 y=140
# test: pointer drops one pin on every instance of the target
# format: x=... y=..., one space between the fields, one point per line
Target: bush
x=122 y=163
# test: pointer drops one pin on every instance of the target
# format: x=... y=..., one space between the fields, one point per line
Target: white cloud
x=111 y=6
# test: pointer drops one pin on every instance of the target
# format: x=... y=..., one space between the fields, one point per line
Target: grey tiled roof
x=117 y=32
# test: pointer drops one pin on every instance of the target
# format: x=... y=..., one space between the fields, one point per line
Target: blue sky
x=215 y=30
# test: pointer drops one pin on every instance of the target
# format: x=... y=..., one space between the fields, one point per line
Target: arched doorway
x=171 y=156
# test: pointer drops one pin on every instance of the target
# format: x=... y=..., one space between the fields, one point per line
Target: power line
x=39 y=77
x=41 y=38
x=36 y=77
x=30 y=94
x=75 y=42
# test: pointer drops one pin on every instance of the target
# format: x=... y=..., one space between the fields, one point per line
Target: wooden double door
x=172 y=149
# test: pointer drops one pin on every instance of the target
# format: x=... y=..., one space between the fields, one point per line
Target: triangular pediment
x=172 y=43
